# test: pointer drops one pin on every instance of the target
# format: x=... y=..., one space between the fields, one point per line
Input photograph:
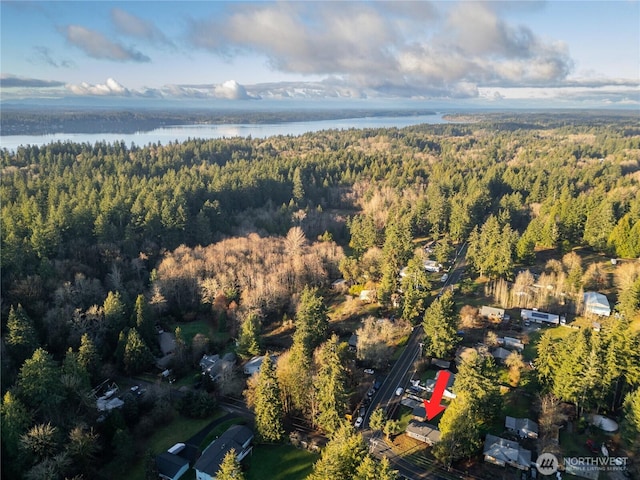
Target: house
x=171 y=466
x=423 y=432
x=237 y=437
x=500 y=353
x=597 y=304
x=215 y=366
x=440 y=363
x=510 y=342
x=419 y=413
x=539 y=317
x=432 y=266
x=108 y=401
x=447 y=391
x=523 y=427
x=492 y=313
x=253 y=365
x=500 y=451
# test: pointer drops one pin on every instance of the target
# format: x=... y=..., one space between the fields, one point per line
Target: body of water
x=181 y=133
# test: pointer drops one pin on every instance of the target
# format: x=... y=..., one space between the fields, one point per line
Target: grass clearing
x=279 y=462
x=219 y=430
x=178 y=430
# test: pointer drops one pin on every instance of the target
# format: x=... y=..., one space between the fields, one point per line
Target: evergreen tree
x=440 y=322
x=21 y=338
x=477 y=379
x=491 y=250
x=341 y=457
x=249 y=338
x=230 y=468
x=88 y=356
x=364 y=234
x=377 y=419
x=15 y=419
x=298 y=186
x=459 y=432
x=294 y=376
x=599 y=225
x=331 y=385
x=144 y=322
x=396 y=252
x=39 y=383
x=114 y=316
x=311 y=318
x=75 y=378
x=621 y=241
x=415 y=287
x=630 y=427
x=370 y=469
x=137 y=356
x=268 y=404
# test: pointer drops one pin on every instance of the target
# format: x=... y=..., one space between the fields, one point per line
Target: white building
x=597 y=304
x=539 y=317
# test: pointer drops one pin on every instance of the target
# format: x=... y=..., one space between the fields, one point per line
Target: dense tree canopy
x=100 y=242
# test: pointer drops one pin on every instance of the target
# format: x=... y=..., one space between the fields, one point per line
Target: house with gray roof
x=171 y=466
x=523 y=427
x=237 y=437
x=500 y=451
x=423 y=432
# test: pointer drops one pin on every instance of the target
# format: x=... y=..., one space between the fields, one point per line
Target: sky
x=494 y=53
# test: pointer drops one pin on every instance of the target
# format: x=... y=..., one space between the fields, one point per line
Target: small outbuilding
x=523 y=427
x=171 y=466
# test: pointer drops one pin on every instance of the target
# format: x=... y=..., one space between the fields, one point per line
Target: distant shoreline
x=14 y=121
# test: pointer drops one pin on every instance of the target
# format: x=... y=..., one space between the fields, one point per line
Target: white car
x=369 y=371
x=399 y=391
x=358 y=423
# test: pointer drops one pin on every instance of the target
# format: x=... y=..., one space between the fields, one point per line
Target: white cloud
x=230 y=90
x=109 y=88
x=96 y=45
x=405 y=48
x=131 y=25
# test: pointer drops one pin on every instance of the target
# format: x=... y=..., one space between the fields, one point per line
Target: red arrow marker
x=433 y=407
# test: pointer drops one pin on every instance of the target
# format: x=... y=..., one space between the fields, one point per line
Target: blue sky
x=566 y=53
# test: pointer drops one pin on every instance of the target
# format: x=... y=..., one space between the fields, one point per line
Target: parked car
x=369 y=371
x=358 y=423
x=399 y=391
x=363 y=411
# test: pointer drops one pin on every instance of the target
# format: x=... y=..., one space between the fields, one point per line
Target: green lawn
x=190 y=329
x=178 y=430
x=279 y=462
x=219 y=430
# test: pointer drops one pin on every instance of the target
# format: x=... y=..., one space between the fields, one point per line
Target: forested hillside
x=102 y=242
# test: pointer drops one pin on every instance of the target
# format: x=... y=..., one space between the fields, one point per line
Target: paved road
x=399 y=376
